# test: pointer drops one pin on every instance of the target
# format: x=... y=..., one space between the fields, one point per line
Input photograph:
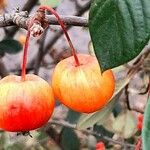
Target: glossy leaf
x=88 y=120
x=119 y=30
x=10 y=46
x=146 y=127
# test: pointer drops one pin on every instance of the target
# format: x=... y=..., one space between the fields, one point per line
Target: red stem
x=64 y=30
x=23 y=73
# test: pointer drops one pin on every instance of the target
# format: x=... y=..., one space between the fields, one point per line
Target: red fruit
x=82 y=88
x=24 y=105
x=140 y=122
x=100 y=146
x=139 y=126
x=140 y=118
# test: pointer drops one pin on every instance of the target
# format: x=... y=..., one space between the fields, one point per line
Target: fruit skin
x=139 y=126
x=140 y=122
x=2 y=4
x=24 y=105
x=82 y=88
x=100 y=146
x=140 y=117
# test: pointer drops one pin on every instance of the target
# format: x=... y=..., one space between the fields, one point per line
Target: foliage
x=52 y=3
x=119 y=30
x=10 y=46
x=69 y=140
x=146 y=127
x=124 y=124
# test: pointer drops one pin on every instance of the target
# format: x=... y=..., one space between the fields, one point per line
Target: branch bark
x=21 y=20
x=28 y=7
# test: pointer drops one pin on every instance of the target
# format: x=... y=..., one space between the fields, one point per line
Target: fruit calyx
x=25 y=133
x=51 y=10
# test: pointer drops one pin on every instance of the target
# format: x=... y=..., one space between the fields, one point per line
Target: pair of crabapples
x=27 y=105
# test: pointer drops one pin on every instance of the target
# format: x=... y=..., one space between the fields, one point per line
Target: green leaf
x=10 y=46
x=119 y=30
x=146 y=127
x=117 y=109
x=88 y=120
x=69 y=140
x=15 y=146
x=51 y=3
x=125 y=125
x=100 y=129
x=3 y=139
x=73 y=116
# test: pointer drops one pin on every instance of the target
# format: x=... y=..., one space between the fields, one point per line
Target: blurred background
x=115 y=125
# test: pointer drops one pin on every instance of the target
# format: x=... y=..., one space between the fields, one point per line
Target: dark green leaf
x=119 y=30
x=73 y=116
x=10 y=46
x=69 y=140
x=146 y=127
x=117 y=109
x=100 y=129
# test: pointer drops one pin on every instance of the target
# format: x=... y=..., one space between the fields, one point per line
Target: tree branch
x=59 y=33
x=29 y=5
x=56 y=36
x=21 y=19
x=40 y=52
x=89 y=132
x=3 y=70
x=69 y=20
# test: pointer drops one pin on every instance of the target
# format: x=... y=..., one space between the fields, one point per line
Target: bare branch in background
x=40 y=53
x=58 y=34
x=89 y=132
x=27 y=7
x=21 y=19
x=3 y=70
